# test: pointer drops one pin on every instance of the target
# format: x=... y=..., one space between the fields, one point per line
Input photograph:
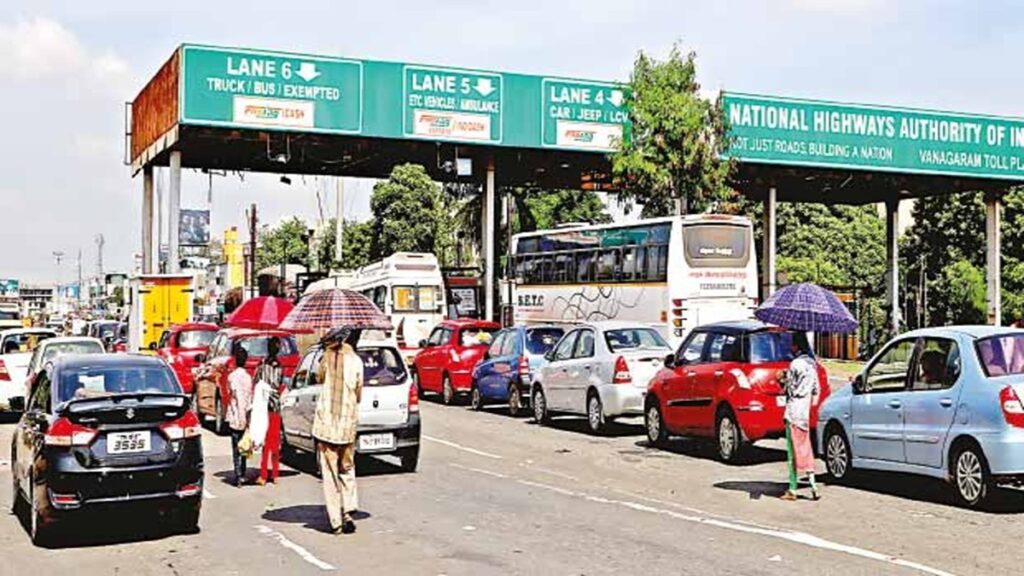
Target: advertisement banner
x=9 y=288
x=194 y=228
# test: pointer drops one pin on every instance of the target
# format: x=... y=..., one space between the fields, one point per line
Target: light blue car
x=942 y=402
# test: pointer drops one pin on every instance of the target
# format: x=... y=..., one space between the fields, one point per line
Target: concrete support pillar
x=768 y=285
x=173 y=213
x=993 y=260
x=147 y=220
x=892 y=266
x=488 y=243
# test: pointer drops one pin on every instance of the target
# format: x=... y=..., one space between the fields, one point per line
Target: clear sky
x=66 y=69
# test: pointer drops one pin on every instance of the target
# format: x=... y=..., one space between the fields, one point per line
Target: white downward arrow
x=616 y=98
x=307 y=71
x=484 y=86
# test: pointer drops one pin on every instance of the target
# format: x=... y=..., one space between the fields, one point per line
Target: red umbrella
x=335 y=308
x=263 y=313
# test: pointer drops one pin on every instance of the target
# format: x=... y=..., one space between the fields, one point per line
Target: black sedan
x=106 y=431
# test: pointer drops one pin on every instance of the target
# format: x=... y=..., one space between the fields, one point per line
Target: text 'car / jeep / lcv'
x=104 y=432
x=599 y=370
x=389 y=412
x=941 y=402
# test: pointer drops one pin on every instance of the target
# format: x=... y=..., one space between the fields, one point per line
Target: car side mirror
x=858 y=383
x=670 y=361
x=549 y=355
x=17 y=403
x=152 y=346
x=200 y=358
x=423 y=344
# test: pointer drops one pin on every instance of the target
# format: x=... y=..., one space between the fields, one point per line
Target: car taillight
x=622 y=375
x=1013 y=409
x=524 y=366
x=4 y=374
x=64 y=432
x=414 y=399
x=187 y=426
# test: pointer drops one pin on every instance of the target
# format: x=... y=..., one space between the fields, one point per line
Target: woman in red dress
x=269 y=371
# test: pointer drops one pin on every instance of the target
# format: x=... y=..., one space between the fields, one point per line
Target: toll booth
x=463 y=289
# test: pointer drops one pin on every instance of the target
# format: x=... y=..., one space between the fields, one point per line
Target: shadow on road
x=704 y=449
x=111 y=527
x=1002 y=500
x=755 y=489
x=311 y=516
x=579 y=425
x=9 y=417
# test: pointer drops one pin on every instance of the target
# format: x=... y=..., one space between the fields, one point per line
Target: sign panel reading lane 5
x=582 y=115
x=272 y=90
x=446 y=104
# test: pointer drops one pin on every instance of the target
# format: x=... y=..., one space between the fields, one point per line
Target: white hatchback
x=599 y=370
x=16 y=348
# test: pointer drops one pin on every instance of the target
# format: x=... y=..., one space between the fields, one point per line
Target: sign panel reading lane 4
x=812 y=133
x=271 y=90
x=582 y=115
x=447 y=104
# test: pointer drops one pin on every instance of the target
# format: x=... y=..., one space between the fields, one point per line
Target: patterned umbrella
x=263 y=313
x=335 y=308
x=806 y=307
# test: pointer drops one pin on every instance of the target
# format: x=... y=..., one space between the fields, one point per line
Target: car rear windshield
x=1001 y=355
x=97 y=382
x=634 y=339
x=257 y=346
x=540 y=340
x=195 y=338
x=25 y=342
x=382 y=367
x=477 y=336
x=774 y=346
x=61 y=348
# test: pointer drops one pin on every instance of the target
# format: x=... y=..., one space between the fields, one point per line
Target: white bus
x=674 y=273
x=407 y=286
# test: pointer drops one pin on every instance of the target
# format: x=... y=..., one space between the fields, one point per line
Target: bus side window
x=584 y=265
x=564 y=268
x=657 y=263
x=628 y=264
x=547 y=268
x=606 y=265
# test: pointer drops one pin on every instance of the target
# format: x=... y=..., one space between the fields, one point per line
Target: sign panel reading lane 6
x=447 y=104
x=582 y=115
x=271 y=90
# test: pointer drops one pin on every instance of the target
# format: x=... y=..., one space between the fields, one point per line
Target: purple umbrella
x=807 y=307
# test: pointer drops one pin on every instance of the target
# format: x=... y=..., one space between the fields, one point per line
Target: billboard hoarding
x=194 y=228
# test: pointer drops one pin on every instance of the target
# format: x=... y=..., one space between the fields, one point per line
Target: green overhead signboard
x=249 y=88
x=582 y=115
x=452 y=104
x=773 y=130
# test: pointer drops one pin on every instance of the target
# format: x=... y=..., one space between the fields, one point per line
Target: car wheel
x=540 y=407
x=728 y=435
x=476 y=399
x=656 y=433
x=595 y=414
x=410 y=458
x=218 y=414
x=416 y=382
x=515 y=401
x=838 y=457
x=447 y=392
x=971 y=477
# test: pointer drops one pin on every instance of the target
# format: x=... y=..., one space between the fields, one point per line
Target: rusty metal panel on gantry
x=155 y=109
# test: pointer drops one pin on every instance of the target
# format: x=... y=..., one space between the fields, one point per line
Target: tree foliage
x=408 y=213
x=288 y=243
x=357 y=241
x=548 y=209
x=677 y=137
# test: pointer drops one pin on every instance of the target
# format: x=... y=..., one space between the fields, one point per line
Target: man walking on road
x=240 y=385
x=334 y=427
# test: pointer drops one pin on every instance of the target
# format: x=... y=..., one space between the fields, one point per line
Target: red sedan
x=722 y=383
x=180 y=346
x=211 y=382
x=446 y=360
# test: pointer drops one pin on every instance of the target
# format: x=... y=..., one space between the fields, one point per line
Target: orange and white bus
x=673 y=273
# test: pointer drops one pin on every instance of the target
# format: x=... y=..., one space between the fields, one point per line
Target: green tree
x=287 y=242
x=408 y=212
x=548 y=209
x=673 y=151
x=357 y=238
x=965 y=301
x=846 y=243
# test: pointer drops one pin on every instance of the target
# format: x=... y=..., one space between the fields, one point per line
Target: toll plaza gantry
x=251 y=110
x=243 y=110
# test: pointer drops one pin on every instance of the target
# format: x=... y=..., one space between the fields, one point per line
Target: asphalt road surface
x=500 y=495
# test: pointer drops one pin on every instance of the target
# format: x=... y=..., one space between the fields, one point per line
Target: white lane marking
x=302 y=552
x=738 y=526
x=209 y=495
x=529 y=465
x=463 y=448
x=477 y=470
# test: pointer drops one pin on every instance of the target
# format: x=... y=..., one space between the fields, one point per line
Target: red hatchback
x=181 y=345
x=722 y=383
x=445 y=363
x=211 y=393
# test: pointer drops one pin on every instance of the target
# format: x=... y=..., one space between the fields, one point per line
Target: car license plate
x=127 y=442
x=376 y=441
x=780 y=401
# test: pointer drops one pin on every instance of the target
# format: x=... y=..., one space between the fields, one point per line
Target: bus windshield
x=716 y=245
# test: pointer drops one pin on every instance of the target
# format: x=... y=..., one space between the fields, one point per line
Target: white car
x=51 y=348
x=599 y=370
x=16 y=348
